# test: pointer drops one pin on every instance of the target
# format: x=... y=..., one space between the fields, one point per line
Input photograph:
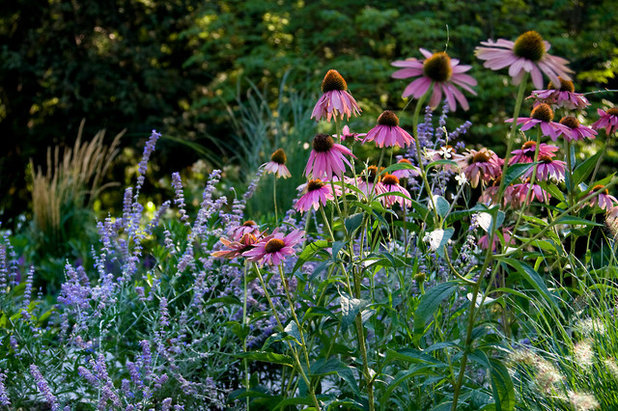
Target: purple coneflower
x=442 y=72
x=563 y=96
x=248 y=227
x=406 y=172
x=516 y=194
x=233 y=249
x=388 y=133
x=327 y=158
x=542 y=115
x=276 y=165
x=336 y=100
x=506 y=234
x=369 y=182
x=525 y=155
x=548 y=168
x=608 y=120
x=575 y=131
x=317 y=192
x=483 y=165
x=526 y=54
x=604 y=200
x=390 y=184
x=346 y=134
x=273 y=249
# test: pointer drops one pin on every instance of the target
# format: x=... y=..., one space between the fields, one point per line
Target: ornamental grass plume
x=542 y=115
x=275 y=248
x=608 y=120
x=441 y=72
x=276 y=165
x=388 y=133
x=327 y=158
x=336 y=100
x=527 y=54
x=562 y=95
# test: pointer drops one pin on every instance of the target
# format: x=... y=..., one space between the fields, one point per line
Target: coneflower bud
x=388 y=118
x=542 y=112
x=278 y=156
x=322 y=143
x=529 y=46
x=438 y=67
x=333 y=81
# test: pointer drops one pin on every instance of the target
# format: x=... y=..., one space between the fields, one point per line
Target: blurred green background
x=213 y=76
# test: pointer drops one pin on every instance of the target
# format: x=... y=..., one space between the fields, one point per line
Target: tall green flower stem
x=419 y=156
x=603 y=150
x=293 y=350
x=244 y=324
x=489 y=254
x=360 y=329
x=275 y=199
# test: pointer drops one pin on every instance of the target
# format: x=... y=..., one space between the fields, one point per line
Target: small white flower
x=446 y=152
x=461 y=179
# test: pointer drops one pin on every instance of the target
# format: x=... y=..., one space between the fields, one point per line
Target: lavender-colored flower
x=179 y=200
x=4 y=398
x=4 y=272
x=143 y=164
x=43 y=387
x=146 y=359
x=163 y=313
x=166 y=404
x=28 y=293
x=90 y=377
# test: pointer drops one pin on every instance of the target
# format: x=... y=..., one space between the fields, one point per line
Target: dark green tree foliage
x=175 y=64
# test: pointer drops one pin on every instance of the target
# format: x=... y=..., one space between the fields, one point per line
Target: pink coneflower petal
x=336 y=100
x=608 y=120
x=273 y=249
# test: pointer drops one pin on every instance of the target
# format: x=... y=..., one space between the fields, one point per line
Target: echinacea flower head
x=276 y=165
x=316 y=193
x=441 y=72
x=542 y=115
x=521 y=194
x=275 y=248
x=575 y=130
x=603 y=199
x=406 y=172
x=607 y=119
x=611 y=220
x=346 y=134
x=327 y=159
x=548 y=169
x=506 y=234
x=391 y=185
x=370 y=181
x=483 y=165
x=235 y=248
x=561 y=94
x=336 y=101
x=388 y=133
x=248 y=227
x=525 y=154
x=527 y=54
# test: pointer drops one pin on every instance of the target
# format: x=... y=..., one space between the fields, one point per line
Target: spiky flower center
x=249 y=223
x=390 y=179
x=542 y=112
x=565 y=85
x=612 y=111
x=529 y=46
x=323 y=143
x=528 y=144
x=600 y=187
x=313 y=185
x=482 y=156
x=371 y=175
x=274 y=245
x=438 y=67
x=388 y=118
x=570 y=121
x=405 y=160
x=333 y=81
x=544 y=158
x=279 y=156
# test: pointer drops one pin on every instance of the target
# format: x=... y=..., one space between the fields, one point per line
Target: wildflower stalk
x=419 y=156
x=489 y=254
x=275 y=199
x=244 y=324
x=360 y=328
x=598 y=164
x=292 y=349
